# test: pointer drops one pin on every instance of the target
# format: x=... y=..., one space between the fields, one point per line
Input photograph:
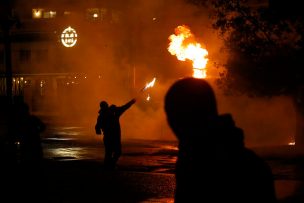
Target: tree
x=265 y=43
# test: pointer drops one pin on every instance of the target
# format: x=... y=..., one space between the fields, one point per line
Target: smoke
x=114 y=58
x=265 y=121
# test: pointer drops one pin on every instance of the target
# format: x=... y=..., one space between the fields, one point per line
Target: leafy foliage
x=265 y=42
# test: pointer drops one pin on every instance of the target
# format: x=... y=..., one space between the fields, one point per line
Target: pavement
x=290 y=191
x=88 y=181
x=83 y=180
x=287 y=164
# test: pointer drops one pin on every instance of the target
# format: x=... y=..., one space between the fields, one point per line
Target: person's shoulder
x=252 y=155
x=35 y=119
x=254 y=160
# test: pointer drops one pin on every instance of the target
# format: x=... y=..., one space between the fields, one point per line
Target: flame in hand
x=150 y=84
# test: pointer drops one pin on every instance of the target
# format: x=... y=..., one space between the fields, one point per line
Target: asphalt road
x=73 y=172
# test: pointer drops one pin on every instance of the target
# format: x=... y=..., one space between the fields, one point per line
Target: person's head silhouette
x=103 y=105
x=211 y=150
x=189 y=103
x=21 y=108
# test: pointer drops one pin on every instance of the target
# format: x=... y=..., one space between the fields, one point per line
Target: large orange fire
x=183 y=45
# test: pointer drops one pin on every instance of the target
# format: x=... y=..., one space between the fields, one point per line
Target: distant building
x=48 y=44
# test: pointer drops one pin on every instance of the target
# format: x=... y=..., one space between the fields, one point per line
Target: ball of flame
x=183 y=46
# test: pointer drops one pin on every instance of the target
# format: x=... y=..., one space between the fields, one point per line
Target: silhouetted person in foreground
x=108 y=124
x=213 y=163
x=26 y=130
x=21 y=173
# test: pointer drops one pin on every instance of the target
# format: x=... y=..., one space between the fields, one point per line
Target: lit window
x=49 y=14
x=66 y=13
x=37 y=12
x=53 y=14
x=94 y=14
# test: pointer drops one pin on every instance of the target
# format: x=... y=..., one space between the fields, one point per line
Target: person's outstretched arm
x=124 y=107
x=130 y=103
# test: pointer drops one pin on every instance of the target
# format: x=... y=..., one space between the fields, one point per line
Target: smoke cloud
x=113 y=60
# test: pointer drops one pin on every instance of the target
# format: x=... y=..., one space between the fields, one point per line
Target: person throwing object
x=108 y=124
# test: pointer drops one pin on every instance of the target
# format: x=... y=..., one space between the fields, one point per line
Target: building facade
x=55 y=46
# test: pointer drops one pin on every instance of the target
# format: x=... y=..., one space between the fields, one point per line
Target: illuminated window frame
x=49 y=14
x=95 y=14
x=37 y=13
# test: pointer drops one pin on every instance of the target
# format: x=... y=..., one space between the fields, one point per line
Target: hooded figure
x=213 y=164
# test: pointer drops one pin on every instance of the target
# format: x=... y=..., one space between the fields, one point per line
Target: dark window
x=1 y=57
x=25 y=56
x=42 y=55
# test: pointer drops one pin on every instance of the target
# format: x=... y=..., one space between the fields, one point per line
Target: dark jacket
x=215 y=166
x=108 y=120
